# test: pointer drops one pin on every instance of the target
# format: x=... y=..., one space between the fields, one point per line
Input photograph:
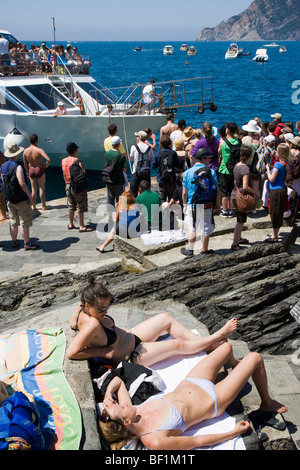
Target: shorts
x=241 y=217
x=20 y=214
x=226 y=184
x=204 y=220
x=75 y=200
x=35 y=172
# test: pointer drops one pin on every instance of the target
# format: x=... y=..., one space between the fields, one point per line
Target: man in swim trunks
x=35 y=169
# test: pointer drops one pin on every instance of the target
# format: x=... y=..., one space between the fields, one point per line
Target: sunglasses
x=102 y=309
x=105 y=418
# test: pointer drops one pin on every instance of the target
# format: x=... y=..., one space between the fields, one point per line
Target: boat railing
x=169 y=96
x=29 y=63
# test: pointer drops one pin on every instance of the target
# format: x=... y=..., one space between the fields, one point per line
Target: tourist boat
x=184 y=47
x=168 y=50
x=29 y=98
x=233 y=51
x=191 y=50
x=137 y=49
x=273 y=44
x=261 y=56
x=282 y=49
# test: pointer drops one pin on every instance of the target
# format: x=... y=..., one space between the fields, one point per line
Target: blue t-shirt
x=280 y=178
x=188 y=177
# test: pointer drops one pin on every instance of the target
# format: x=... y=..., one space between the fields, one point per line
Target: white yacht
x=184 y=47
x=282 y=49
x=168 y=50
x=233 y=51
x=261 y=56
x=191 y=50
x=273 y=44
x=29 y=96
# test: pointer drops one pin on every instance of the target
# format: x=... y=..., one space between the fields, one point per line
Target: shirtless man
x=169 y=127
x=35 y=169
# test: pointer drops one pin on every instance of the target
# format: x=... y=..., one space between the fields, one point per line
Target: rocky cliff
x=263 y=20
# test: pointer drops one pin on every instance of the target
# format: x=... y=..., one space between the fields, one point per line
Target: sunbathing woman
x=160 y=421
x=98 y=336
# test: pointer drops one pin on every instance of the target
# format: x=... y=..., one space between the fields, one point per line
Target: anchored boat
x=168 y=50
x=233 y=51
x=29 y=96
x=261 y=56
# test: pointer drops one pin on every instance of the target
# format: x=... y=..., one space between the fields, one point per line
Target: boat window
x=102 y=95
x=25 y=98
x=47 y=95
x=6 y=103
x=9 y=37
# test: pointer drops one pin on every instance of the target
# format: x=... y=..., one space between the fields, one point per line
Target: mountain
x=262 y=20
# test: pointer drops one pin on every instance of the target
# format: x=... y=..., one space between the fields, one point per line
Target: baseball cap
x=115 y=140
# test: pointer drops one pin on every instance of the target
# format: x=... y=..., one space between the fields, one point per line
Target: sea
x=242 y=89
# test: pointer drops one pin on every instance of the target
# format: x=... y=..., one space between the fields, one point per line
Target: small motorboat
x=184 y=47
x=233 y=51
x=273 y=44
x=261 y=56
x=191 y=50
x=282 y=49
x=168 y=50
x=137 y=49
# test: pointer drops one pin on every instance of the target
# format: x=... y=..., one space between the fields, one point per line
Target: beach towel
x=31 y=362
x=155 y=237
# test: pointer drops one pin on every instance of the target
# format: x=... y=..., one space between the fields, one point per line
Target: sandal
x=236 y=247
x=271 y=240
x=243 y=241
x=269 y=419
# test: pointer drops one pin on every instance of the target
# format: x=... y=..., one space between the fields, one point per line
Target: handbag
x=245 y=202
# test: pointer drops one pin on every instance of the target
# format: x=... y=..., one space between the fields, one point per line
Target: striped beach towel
x=31 y=362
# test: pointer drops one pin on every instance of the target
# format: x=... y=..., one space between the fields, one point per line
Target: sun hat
x=115 y=140
x=141 y=134
x=71 y=147
x=270 y=138
x=187 y=133
x=296 y=141
x=289 y=136
x=251 y=126
x=276 y=116
x=60 y=103
x=203 y=153
x=12 y=150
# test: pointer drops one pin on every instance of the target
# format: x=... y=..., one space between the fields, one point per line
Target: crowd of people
x=17 y=59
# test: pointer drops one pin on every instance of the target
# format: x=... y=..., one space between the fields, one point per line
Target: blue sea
x=242 y=89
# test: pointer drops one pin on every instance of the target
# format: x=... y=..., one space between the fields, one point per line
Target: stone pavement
x=63 y=249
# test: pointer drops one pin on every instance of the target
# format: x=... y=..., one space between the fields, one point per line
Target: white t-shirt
x=134 y=153
x=147 y=96
x=175 y=135
x=4 y=46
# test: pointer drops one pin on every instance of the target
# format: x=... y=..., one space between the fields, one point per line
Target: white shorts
x=204 y=220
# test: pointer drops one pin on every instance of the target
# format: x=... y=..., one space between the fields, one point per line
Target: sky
x=115 y=20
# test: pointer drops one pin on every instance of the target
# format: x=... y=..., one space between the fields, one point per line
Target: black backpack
x=13 y=192
x=143 y=163
x=234 y=156
x=109 y=172
x=78 y=177
x=166 y=167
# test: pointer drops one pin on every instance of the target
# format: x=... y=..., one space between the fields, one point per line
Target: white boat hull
x=88 y=132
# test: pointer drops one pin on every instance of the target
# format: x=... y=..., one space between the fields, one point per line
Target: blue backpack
x=205 y=191
x=19 y=419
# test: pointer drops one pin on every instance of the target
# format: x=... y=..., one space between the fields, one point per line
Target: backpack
x=18 y=423
x=294 y=167
x=234 y=156
x=166 y=167
x=205 y=192
x=13 y=192
x=78 y=177
x=143 y=164
x=109 y=173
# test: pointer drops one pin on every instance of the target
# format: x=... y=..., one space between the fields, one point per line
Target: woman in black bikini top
x=110 y=332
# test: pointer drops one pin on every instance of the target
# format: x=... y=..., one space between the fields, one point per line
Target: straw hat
x=187 y=133
x=13 y=150
x=251 y=126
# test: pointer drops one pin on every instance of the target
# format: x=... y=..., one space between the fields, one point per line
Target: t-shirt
x=149 y=203
x=188 y=177
x=111 y=155
x=147 y=94
x=108 y=146
x=158 y=156
x=239 y=172
x=225 y=155
x=134 y=153
x=280 y=178
x=65 y=164
x=212 y=146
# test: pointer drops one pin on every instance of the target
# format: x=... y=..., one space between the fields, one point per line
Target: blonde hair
x=179 y=144
x=283 y=151
x=126 y=200
x=116 y=434
x=198 y=133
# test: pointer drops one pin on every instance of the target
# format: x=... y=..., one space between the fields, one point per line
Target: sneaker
x=224 y=214
x=207 y=252
x=186 y=252
x=230 y=214
x=31 y=246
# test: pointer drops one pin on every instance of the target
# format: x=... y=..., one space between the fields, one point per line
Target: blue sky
x=115 y=20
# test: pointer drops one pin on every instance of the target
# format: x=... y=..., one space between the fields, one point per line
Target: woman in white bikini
x=160 y=421
x=98 y=336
